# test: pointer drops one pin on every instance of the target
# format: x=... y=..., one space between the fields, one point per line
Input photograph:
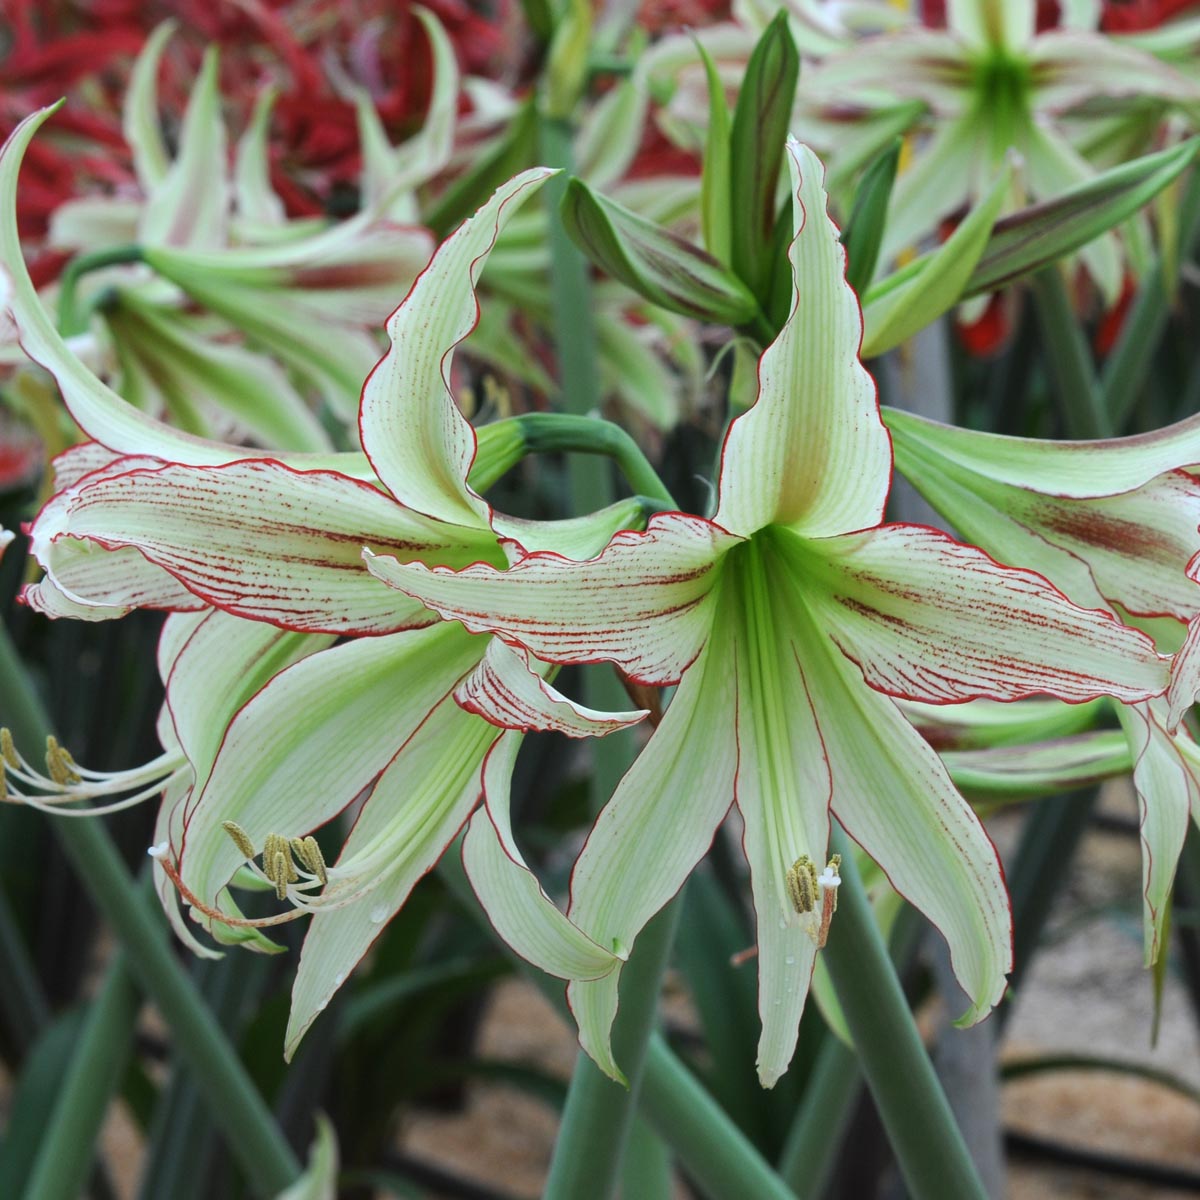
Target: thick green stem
x=1070 y=361
x=1126 y=368
x=920 y=1126
x=598 y=1114
x=717 y=1156
x=252 y=1135
x=70 y=320
x=547 y=433
x=810 y=1152
x=65 y=1149
x=21 y=998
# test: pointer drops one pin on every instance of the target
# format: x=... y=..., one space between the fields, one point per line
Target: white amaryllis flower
x=792 y=621
x=989 y=84
x=1114 y=524
x=275 y=546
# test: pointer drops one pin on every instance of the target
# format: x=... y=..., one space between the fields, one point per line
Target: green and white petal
x=96 y=408
x=257 y=205
x=1185 y=669
x=139 y=117
x=783 y=790
x=189 y=206
x=893 y=796
x=1095 y=468
x=652 y=619
x=659 y=823
x=505 y=690
x=266 y=542
x=993 y=24
x=417 y=806
x=305 y=745
x=1166 y=776
x=928 y=618
x=509 y=892
x=412 y=430
x=812 y=452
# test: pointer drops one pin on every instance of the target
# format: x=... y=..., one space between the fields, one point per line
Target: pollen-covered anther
x=240 y=838
x=8 y=751
x=801 y=881
x=307 y=852
x=60 y=766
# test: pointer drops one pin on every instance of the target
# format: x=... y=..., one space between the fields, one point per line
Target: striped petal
x=266 y=542
x=1166 y=777
x=506 y=691
x=652 y=620
x=308 y=742
x=1185 y=670
x=417 y=439
x=893 y=796
x=509 y=892
x=657 y=826
x=928 y=618
x=812 y=452
x=417 y=807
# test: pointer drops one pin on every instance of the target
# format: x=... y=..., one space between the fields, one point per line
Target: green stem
x=647 y=1170
x=252 y=1135
x=811 y=1150
x=1127 y=365
x=547 y=433
x=1069 y=359
x=70 y=320
x=717 y=1155
x=25 y=1007
x=920 y=1126
x=65 y=1149
x=598 y=1114
x=707 y=1144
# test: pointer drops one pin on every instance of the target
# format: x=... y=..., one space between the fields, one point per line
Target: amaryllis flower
x=1113 y=524
x=263 y=559
x=792 y=620
x=990 y=83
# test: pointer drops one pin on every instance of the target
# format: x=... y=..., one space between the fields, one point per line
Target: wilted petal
x=812 y=452
x=641 y=603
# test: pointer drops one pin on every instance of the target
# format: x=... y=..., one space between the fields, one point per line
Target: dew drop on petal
x=339 y=979
x=379 y=914
x=790 y=960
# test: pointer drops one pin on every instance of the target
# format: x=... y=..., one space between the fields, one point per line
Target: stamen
x=240 y=839
x=8 y=751
x=828 y=883
x=801 y=881
x=308 y=851
x=60 y=766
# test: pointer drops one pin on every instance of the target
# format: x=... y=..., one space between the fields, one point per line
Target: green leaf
x=716 y=213
x=655 y=263
x=1035 y=236
x=760 y=128
x=863 y=234
x=512 y=154
x=912 y=298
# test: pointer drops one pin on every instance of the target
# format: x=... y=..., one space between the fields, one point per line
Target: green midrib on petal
x=754 y=597
x=1002 y=100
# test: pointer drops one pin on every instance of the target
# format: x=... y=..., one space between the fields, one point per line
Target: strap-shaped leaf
x=760 y=129
x=716 y=212
x=863 y=235
x=1041 y=234
x=655 y=263
x=911 y=298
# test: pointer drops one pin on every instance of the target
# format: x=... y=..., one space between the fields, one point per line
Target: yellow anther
x=801 y=881
x=277 y=869
x=497 y=395
x=308 y=852
x=240 y=838
x=8 y=751
x=60 y=766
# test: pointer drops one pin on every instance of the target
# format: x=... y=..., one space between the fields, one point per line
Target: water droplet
x=783 y=923
x=379 y=914
x=778 y=1003
x=339 y=979
x=790 y=960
